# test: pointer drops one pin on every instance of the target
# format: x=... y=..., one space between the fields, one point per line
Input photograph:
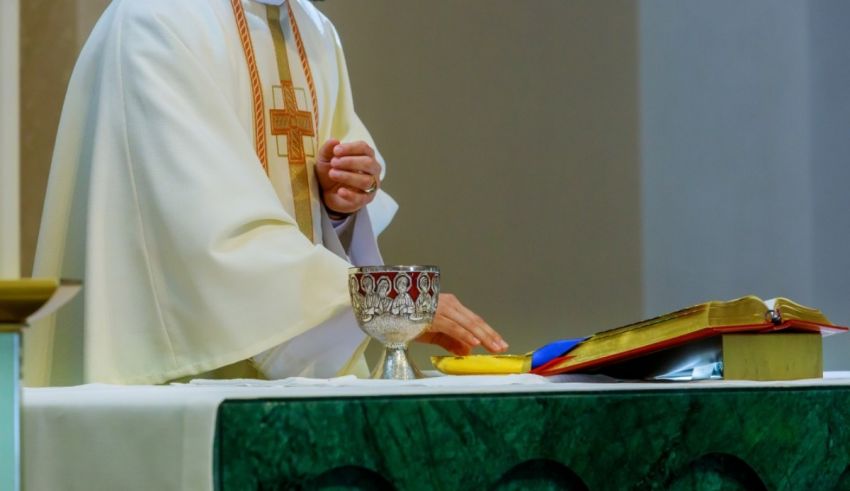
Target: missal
x=745 y=338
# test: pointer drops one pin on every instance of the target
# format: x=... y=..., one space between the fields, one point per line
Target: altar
x=516 y=432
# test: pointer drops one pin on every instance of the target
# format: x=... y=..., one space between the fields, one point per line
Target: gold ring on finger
x=374 y=187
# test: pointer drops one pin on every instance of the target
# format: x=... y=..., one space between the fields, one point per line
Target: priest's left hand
x=459 y=330
x=348 y=175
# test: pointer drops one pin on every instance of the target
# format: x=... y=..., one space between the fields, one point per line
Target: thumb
x=326 y=153
x=451 y=344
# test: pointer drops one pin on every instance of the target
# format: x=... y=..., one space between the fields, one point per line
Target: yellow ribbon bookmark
x=482 y=364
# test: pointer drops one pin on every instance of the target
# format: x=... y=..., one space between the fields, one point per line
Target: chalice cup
x=394 y=305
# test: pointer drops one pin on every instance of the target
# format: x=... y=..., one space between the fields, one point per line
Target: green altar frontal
x=726 y=438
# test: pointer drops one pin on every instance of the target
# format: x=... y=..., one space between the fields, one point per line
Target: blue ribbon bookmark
x=553 y=350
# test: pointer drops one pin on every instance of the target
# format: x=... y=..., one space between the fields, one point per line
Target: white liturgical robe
x=190 y=253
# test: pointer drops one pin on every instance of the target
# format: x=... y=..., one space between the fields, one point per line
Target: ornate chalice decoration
x=394 y=305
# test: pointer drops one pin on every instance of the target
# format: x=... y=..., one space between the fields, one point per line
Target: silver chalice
x=394 y=305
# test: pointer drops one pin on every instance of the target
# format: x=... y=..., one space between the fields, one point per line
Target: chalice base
x=394 y=364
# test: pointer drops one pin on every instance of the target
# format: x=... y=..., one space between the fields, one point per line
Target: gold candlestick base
x=22 y=302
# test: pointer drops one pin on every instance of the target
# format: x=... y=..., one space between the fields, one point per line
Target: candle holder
x=22 y=302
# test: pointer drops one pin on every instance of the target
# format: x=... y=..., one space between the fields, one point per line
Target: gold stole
x=291 y=122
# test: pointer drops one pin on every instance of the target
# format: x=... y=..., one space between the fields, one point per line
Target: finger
x=347 y=195
x=359 y=163
x=322 y=167
x=450 y=327
x=450 y=344
x=352 y=179
x=355 y=196
x=341 y=206
x=345 y=200
x=353 y=148
x=326 y=153
x=446 y=342
x=477 y=326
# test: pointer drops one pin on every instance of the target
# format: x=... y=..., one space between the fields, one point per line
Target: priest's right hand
x=348 y=174
x=459 y=330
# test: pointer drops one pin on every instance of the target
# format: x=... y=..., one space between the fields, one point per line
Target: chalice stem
x=395 y=364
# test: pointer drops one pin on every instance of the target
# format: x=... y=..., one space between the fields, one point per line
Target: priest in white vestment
x=211 y=184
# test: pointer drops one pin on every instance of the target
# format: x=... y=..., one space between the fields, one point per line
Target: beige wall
x=52 y=34
x=510 y=129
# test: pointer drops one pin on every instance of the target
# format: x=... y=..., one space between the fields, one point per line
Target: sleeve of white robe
x=193 y=263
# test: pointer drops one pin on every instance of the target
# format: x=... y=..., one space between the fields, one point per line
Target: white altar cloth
x=101 y=437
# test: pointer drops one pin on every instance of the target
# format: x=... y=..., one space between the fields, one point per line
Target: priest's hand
x=348 y=175
x=459 y=330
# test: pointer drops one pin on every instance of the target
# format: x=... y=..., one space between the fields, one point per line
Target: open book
x=743 y=315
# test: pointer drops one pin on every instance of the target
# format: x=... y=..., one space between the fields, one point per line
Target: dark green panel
x=694 y=439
